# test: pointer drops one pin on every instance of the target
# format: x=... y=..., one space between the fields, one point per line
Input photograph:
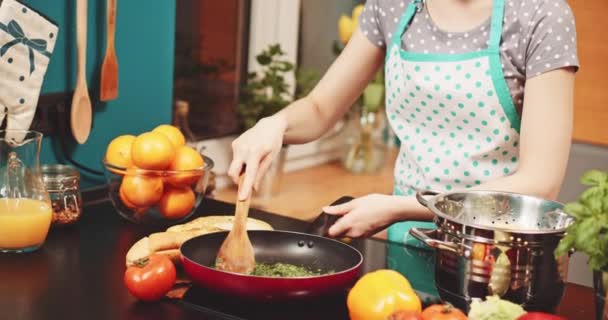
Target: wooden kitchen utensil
x=81 y=112
x=236 y=252
x=109 y=68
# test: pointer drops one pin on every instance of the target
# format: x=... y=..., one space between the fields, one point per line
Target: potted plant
x=364 y=154
x=589 y=233
x=265 y=93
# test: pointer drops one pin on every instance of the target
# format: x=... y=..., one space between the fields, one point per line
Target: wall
x=144 y=45
x=591 y=114
x=319 y=29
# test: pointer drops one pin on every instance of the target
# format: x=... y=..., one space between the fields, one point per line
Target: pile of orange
x=171 y=168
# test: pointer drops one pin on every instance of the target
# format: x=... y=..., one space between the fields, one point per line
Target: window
x=211 y=45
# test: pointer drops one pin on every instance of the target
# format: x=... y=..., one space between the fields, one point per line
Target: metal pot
x=496 y=243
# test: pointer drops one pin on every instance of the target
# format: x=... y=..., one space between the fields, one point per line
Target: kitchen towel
x=27 y=40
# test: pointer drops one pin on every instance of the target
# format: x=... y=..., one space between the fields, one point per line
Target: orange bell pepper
x=379 y=294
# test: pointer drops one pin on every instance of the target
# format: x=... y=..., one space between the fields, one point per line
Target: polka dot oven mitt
x=27 y=40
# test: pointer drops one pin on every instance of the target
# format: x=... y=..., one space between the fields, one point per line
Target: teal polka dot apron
x=454 y=117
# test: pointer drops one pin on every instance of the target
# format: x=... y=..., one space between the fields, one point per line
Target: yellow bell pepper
x=357 y=12
x=348 y=25
x=346 y=28
x=379 y=294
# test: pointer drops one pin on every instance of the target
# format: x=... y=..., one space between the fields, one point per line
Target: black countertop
x=78 y=274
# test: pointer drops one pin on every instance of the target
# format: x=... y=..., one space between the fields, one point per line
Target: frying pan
x=339 y=263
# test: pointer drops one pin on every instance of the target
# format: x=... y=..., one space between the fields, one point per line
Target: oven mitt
x=27 y=40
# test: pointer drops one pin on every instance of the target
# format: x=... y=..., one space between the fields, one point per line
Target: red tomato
x=540 y=316
x=442 y=312
x=151 y=279
x=405 y=315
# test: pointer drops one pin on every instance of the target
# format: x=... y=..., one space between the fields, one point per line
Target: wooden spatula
x=81 y=112
x=109 y=68
x=236 y=253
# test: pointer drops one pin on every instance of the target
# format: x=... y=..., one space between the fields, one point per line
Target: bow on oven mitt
x=27 y=40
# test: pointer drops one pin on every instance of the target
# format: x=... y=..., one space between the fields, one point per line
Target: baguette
x=168 y=242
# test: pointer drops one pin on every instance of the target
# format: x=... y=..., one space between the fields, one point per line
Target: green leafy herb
x=589 y=232
x=284 y=270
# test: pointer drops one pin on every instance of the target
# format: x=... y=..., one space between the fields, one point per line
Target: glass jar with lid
x=63 y=185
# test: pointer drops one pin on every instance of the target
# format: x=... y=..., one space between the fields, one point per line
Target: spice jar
x=63 y=185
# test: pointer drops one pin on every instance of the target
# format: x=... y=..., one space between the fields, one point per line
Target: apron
x=454 y=117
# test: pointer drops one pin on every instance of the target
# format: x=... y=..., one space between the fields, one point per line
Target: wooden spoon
x=236 y=253
x=109 y=68
x=81 y=112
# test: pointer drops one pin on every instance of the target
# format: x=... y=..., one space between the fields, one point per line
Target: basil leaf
x=594 y=177
x=564 y=245
x=577 y=210
x=587 y=233
x=592 y=198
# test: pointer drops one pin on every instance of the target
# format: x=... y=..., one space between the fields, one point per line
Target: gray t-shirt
x=538 y=36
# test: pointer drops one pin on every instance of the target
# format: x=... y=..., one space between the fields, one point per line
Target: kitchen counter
x=304 y=192
x=78 y=272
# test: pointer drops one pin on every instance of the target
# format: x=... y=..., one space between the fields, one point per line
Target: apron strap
x=498 y=12
x=413 y=7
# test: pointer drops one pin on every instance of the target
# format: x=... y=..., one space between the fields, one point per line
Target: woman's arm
x=309 y=118
x=546 y=135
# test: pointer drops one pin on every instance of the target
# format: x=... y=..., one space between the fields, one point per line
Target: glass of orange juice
x=25 y=207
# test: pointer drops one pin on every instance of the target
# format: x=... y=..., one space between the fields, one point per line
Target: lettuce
x=495 y=308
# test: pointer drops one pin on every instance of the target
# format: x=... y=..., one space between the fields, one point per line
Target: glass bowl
x=157 y=197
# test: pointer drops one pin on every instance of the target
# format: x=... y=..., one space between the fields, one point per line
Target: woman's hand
x=364 y=216
x=256 y=148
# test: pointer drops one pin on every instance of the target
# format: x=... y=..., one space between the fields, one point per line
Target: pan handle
x=426 y=236
x=420 y=196
x=320 y=226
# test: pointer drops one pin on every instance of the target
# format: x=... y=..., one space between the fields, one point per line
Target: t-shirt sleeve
x=551 y=38
x=371 y=24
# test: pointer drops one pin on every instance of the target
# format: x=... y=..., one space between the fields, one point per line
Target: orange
x=124 y=200
x=176 y=203
x=186 y=158
x=140 y=190
x=118 y=152
x=152 y=150
x=173 y=133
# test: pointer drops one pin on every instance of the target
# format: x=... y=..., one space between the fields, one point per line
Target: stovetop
x=377 y=254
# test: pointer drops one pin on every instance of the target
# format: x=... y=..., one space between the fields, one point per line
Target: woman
x=479 y=92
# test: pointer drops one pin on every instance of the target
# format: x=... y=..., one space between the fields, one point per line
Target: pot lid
x=509 y=212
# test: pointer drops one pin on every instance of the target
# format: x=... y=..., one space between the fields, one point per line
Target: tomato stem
x=140 y=263
x=447 y=308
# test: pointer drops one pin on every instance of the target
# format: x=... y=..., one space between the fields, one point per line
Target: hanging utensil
x=81 y=112
x=236 y=253
x=109 y=68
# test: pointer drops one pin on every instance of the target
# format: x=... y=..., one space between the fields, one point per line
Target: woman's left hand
x=364 y=216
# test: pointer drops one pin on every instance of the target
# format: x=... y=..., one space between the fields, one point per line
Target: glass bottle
x=25 y=208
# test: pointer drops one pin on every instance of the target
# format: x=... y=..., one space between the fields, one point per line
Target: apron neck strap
x=498 y=10
x=413 y=7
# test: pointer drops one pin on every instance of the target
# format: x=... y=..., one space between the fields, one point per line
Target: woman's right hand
x=256 y=149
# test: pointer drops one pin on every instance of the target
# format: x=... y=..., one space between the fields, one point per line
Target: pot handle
x=420 y=196
x=425 y=235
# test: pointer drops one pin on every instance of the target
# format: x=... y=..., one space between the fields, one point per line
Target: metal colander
x=501 y=211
